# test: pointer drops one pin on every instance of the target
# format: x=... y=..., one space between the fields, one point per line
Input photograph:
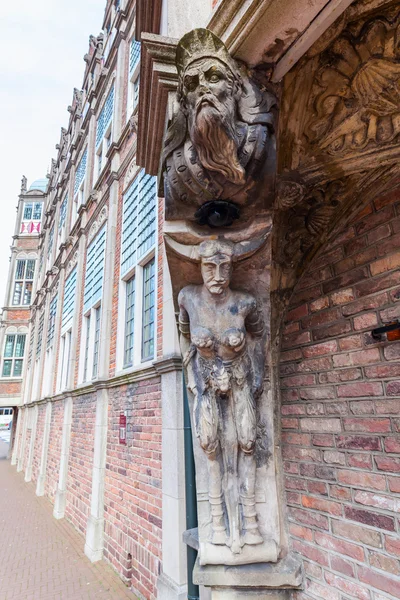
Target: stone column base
x=263 y=581
x=167 y=589
x=40 y=485
x=94 y=539
x=59 y=504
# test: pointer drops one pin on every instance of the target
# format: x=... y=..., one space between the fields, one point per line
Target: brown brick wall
x=54 y=451
x=133 y=499
x=341 y=413
x=80 y=464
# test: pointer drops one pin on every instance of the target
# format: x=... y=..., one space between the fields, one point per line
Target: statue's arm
x=254 y=323
x=183 y=319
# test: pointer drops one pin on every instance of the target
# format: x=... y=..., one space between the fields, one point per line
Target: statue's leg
x=245 y=413
x=206 y=421
x=229 y=449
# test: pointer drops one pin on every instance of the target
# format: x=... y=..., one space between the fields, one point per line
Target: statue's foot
x=234 y=544
x=219 y=537
x=252 y=537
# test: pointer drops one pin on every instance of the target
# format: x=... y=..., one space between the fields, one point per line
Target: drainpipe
x=190 y=489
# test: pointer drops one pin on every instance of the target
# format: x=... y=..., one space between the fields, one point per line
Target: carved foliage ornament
x=220 y=146
x=357 y=95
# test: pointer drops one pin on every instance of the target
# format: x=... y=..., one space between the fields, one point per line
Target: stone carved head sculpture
x=220 y=143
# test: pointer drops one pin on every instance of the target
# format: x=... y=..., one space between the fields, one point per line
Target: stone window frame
x=133 y=78
x=138 y=249
x=13 y=358
x=91 y=317
x=104 y=132
x=22 y=280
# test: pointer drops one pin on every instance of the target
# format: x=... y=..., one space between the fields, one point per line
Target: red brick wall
x=10 y=388
x=37 y=449
x=80 y=464
x=133 y=486
x=27 y=441
x=341 y=413
x=54 y=450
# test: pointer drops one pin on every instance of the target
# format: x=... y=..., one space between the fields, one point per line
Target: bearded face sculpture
x=220 y=149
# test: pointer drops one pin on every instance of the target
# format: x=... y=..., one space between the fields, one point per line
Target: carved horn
x=186 y=251
x=244 y=250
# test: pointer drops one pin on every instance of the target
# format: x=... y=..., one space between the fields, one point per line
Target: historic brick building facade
x=89 y=347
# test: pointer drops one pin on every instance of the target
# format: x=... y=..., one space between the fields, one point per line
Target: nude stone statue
x=226 y=383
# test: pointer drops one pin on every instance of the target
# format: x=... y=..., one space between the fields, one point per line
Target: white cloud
x=41 y=60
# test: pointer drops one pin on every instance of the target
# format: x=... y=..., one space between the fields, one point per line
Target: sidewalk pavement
x=42 y=558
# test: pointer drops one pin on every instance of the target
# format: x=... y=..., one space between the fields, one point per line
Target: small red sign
x=122 y=428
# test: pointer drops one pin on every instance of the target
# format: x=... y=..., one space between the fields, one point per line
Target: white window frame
x=13 y=358
x=35 y=219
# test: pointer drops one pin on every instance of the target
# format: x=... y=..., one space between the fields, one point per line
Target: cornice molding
x=158 y=77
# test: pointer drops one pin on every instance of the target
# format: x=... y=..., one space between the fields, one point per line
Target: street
x=42 y=558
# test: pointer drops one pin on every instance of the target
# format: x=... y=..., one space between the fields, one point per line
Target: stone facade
x=326 y=273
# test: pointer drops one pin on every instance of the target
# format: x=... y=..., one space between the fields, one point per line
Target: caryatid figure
x=226 y=383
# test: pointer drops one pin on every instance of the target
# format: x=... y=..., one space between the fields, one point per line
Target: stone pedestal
x=263 y=581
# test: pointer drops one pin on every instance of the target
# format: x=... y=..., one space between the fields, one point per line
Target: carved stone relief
x=356 y=95
x=219 y=154
x=223 y=342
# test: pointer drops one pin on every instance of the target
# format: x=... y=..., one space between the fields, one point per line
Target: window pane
x=86 y=348
x=9 y=348
x=28 y=212
x=27 y=293
x=148 y=311
x=96 y=341
x=17 y=294
x=30 y=269
x=18 y=368
x=20 y=345
x=37 y=211
x=129 y=322
x=20 y=270
x=7 y=368
x=1 y=411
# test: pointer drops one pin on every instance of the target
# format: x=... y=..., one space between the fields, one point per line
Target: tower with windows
x=20 y=291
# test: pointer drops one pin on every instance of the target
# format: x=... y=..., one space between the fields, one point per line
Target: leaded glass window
x=51 y=240
x=129 y=322
x=80 y=172
x=139 y=220
x=40 y=335
x=13 y=354
x=24 y=274
x=148 y=310
x=69 y=301
x=52 y=321
x=96 y=341
x=63 y=213
x=105 y=117
x=134 y=56
x=94 y=270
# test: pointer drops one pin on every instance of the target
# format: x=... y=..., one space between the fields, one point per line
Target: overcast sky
x=42 y=44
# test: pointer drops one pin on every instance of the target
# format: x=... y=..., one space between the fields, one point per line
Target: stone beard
x=220 y=144
x=212 y=132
